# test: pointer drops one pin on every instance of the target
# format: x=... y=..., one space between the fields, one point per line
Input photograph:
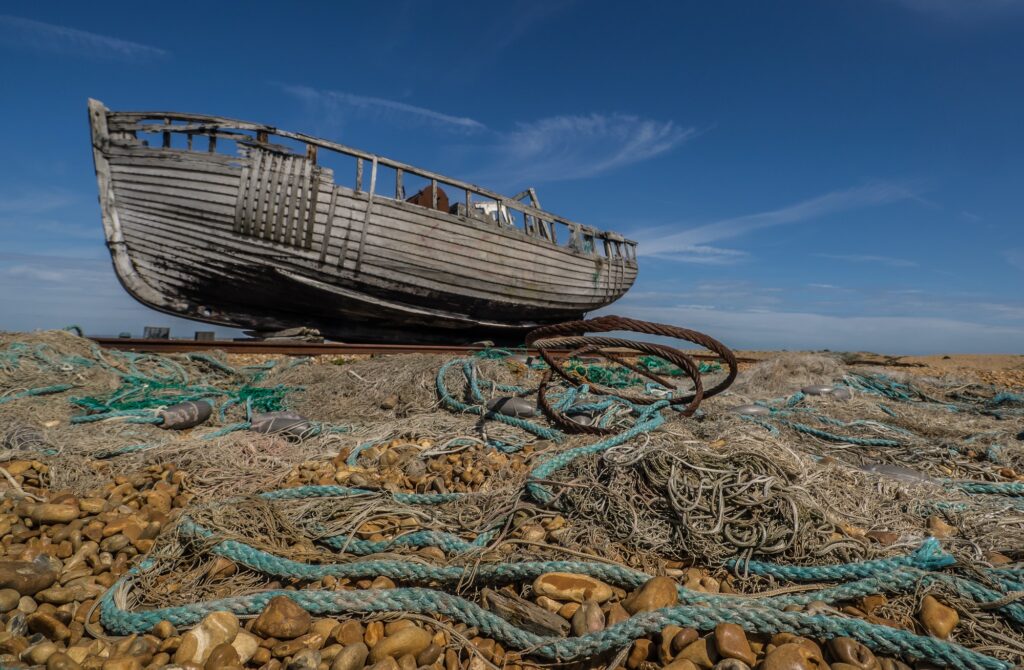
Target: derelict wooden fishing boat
x=242 y=224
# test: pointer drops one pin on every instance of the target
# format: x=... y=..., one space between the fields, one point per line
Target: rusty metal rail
x=302 y=348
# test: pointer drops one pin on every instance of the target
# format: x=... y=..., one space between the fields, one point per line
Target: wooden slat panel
x=381 y=263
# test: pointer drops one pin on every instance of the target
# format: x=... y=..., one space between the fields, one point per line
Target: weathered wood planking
x=265 y=238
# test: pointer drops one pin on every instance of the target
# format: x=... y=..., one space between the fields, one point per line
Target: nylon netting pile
x=812 y=498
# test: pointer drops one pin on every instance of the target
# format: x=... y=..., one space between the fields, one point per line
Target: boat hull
x=264 y=239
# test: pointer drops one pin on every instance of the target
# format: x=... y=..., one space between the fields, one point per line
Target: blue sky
x=845 y=174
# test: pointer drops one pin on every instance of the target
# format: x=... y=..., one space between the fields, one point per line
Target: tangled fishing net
x=806 y=481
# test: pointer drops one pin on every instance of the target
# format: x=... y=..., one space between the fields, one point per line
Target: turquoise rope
x=43 y=390
x=703 y=616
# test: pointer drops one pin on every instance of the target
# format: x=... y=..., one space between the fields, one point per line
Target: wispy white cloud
x=19 y=32
x=548 y=149
x=690 y=244
x=336 y=102
x=868 y=258
x=574 y=147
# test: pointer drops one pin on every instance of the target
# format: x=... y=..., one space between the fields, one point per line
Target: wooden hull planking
x=265 y=239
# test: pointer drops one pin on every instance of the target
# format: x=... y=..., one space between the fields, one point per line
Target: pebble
x=28 y=577
x=164 y=630
x=17 y=624
x=291 y=647
x=197 y=644
x=429 y=655
x=48 y=625
x=656 y=593
x=349 y=632
x=351 y=657
x=615 y=614
x=567 y=586
x=938 y=619
x=122 y=663
x=792 y=656
x=665 y=650
x=639 y=653
x=588 y=619
x=61 y=661
x=699 y=653
x=940 y=528
x=681 y=664
x=9 y=599
x=47 y=513
x=39 y=653
x=411 y=640
x=245 y=644
x=733 y=664
x=848 y=650
x=223 y=655
x=282 y=619
x=731 y=642
x=305 y=659
x=683 y=639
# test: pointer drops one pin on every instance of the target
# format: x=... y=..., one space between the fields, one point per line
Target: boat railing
x=536 y=222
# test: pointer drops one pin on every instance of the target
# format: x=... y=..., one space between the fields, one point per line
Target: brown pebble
x=780 y=639
x=731 y=642
x=549 y=604
x=940 y=529
x=587 y=619
x=848 y=650
x=683 y=639
x=28 y=577
x=700 y=652
x=615 y=614
x=680 y=664
x=406 y=641
x=261 y=656
x=282 y=619
x=393 y=627
x=164 y=630
x=568 y=586
x=292 y=647
x=245 y=644
x=48 y=625
x=374 y=633
x=639 y=653
x=665 y=651
x=9 y=599
x=656 y=593
x=428 y=655
x=61 y=661
x=123 y=663
x=792 y=656
x=568 y=610
x=37 y=654
x=305 y=659
x=382 y=582
x=938 y=619
x=222 y=655
x=349 y=632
